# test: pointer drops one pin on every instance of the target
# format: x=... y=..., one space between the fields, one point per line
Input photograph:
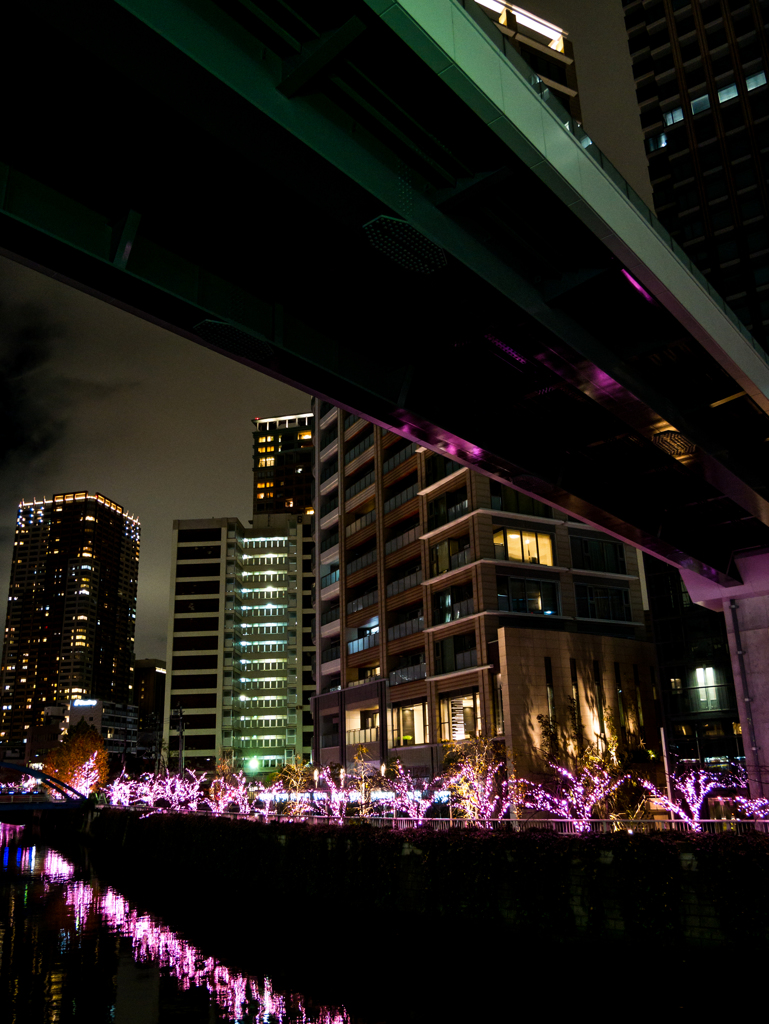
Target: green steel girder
x=295 y=97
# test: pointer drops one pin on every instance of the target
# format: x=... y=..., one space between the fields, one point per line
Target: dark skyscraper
x=71 y=608
x=701 y=79
x=283 y=461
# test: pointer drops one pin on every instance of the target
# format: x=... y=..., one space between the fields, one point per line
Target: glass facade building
x=701 y=78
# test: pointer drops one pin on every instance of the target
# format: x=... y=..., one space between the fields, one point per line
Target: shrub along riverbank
x=668 y=887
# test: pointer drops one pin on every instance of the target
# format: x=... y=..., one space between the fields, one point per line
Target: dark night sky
x=94 y=398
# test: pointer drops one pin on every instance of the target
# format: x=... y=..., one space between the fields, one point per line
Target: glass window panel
x=545 y=544
x=530 y=547
x=499 y=544
x=514 y=547
x=533 y=597
x=518 y=596
x=549 y=593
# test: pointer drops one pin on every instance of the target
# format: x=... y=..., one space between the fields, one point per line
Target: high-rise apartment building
x=450 y=606
x=701 y=77
x=241 y=623
x=71 y=608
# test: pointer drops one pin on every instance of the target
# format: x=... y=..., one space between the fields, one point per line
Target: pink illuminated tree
x=692 y=788
x=408 y=797
x=475 y=777
x=121 y=792
x=578 y=793
x=757 y=808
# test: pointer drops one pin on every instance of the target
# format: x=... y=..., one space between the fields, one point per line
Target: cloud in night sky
x=94 y=398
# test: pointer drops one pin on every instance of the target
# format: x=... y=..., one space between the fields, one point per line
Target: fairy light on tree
x=579 y=793
x=475 y=779
x=81 y=760
x=693 y=788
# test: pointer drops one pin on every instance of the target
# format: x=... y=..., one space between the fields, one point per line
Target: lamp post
x=178 y=714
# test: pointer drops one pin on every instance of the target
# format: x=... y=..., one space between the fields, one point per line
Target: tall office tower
x=71 y=608
x=241 y=651
x=451 y=606
x=283 y=463
x=701 y=77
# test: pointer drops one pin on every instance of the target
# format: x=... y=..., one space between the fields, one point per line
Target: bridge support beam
x=746 y=611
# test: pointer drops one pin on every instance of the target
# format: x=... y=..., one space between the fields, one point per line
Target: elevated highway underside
x=344 y=197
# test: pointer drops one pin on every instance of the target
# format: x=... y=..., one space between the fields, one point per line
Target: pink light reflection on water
x=239 y=996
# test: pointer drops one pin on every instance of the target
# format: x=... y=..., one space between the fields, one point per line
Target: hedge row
x=666 y=886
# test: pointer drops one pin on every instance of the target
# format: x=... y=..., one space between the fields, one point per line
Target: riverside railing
x=560 y=826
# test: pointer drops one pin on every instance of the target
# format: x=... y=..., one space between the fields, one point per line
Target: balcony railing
x=362 y=562
x=331 y=740
x=460 y=558
x=399 y=457
x=328 y=436
x=326 y=581
x=364 y=601
x=400 y=499
x=407 y=674
x=705 y=698
x=458 y=610
x=330 y=541
x=332 y=615
x=465 y=659
x=329 y=506
x=396 y=543
x=330 y=655
x=361 y=485
x=406 y=628
x=331 y=468
x=355 y=736
x=405 y=583
x=456 y=511
x=359 y=448
x=359 y=524
x=363 y=643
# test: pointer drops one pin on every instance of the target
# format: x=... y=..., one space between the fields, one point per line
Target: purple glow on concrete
x=638 y=287
x=506 y=348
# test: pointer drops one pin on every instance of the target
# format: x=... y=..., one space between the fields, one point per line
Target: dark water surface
x=74 y=949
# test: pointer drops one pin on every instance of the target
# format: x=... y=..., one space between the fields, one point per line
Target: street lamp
x=178 y=714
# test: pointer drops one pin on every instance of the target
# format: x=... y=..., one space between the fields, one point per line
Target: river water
x=74 y=949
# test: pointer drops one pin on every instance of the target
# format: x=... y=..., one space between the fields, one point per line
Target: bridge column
x=746 y=611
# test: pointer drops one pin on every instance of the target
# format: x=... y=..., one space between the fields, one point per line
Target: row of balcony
x=362 y=562
x=405 y=583
x=363 y=643
x=352 y=737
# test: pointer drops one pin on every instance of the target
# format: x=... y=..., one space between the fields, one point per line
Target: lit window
x=672 y=116
x=460 y=717
x=656 y=142
x=409 y=725
x=305 y=435
x=700 y=104
x=269 y=461
x=756 y=81
x=727 y=93
x=524 y=546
